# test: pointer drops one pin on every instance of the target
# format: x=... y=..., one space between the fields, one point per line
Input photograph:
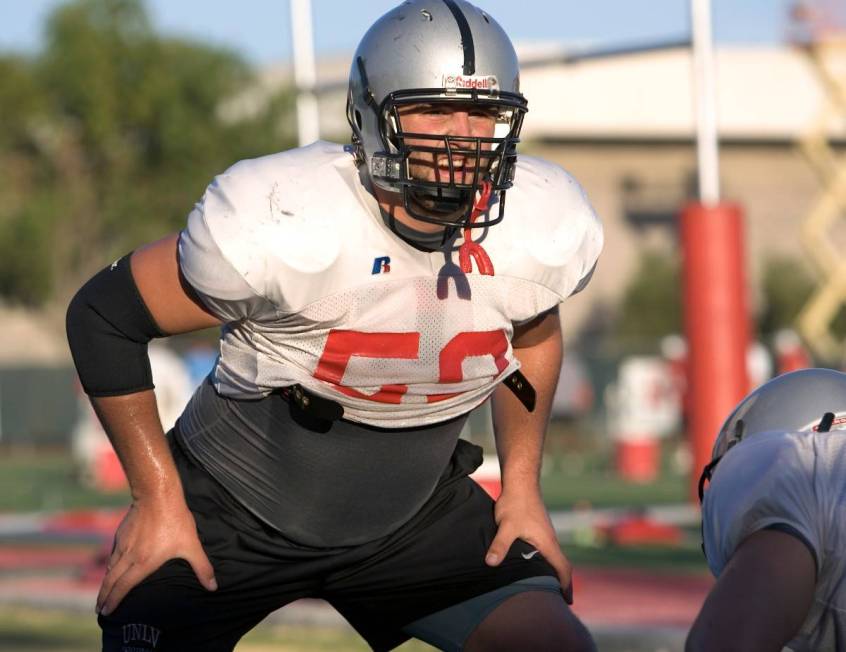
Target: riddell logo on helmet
x=835 y=425
x=839 y=423
x=481 y=82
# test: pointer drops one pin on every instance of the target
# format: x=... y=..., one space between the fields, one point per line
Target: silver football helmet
x=431 y=52
x=810 y=400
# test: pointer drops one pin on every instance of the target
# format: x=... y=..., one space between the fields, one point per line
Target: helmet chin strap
x=428 y=241
x=447 y=204
x=474 y=250
x=431 y=241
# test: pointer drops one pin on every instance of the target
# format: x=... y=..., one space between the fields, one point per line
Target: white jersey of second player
x=797 y=482
x=294 y=255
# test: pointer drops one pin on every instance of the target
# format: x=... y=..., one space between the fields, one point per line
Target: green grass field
x=46 y=481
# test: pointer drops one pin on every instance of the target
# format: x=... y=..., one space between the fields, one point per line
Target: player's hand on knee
x=522 y=515
x=151 y=533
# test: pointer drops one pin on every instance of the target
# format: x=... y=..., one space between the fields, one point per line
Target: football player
x=370 y=296
x=774 y=520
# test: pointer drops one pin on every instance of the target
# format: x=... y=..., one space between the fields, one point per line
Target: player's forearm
x=133 y=426
x=519 y=441
x=519 y=433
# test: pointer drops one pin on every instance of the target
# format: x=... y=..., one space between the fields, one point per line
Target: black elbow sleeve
x=108 y=328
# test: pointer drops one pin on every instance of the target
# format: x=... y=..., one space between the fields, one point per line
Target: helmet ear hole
x=739 y=429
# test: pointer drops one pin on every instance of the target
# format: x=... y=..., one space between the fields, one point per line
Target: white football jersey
x=796 y=480
x=292 y=252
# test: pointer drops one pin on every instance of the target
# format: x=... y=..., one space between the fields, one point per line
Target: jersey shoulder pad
x=766 y=481
x=282 y=210
x=550 y=221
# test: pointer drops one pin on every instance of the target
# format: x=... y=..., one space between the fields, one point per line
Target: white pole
x=308 y=125
x=704 y=89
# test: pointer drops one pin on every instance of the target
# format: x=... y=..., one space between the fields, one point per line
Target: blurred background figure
x=574 y=395
x=790 y=353
x=644 y=406
x=199 y=359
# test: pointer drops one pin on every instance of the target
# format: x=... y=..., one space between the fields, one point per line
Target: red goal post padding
x=717 y=321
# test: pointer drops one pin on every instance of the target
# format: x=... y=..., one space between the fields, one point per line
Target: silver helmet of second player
x=796 y=401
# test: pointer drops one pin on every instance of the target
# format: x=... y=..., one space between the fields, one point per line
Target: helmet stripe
x=466 y=37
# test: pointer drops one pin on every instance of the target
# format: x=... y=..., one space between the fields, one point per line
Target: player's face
x=447 y=119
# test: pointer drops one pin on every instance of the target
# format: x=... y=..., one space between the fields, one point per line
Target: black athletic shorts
x=432 y=562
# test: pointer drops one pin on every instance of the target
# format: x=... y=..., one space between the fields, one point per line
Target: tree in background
x=786 y=286
x=651 y=305
x=25 y=112
x=108 y=138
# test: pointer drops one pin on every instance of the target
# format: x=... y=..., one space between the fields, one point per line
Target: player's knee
x=548 y=637
x=561 y=635
x=531 y=621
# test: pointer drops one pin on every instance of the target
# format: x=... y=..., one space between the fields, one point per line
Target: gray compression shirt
x=344 y=484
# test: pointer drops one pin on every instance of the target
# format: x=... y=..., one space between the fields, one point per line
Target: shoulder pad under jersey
x=765 y=481
x=550 y=234
x=281 y=211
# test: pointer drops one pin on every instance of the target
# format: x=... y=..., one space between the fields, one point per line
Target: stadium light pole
x=308 y=125
x=707 y=145
x=714 y=280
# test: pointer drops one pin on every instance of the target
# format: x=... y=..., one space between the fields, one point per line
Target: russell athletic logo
x=382 y=265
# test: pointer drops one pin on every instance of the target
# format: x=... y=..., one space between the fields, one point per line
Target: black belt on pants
x=325 y=409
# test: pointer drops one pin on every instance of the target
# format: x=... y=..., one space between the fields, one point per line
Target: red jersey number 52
x=342 y=345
